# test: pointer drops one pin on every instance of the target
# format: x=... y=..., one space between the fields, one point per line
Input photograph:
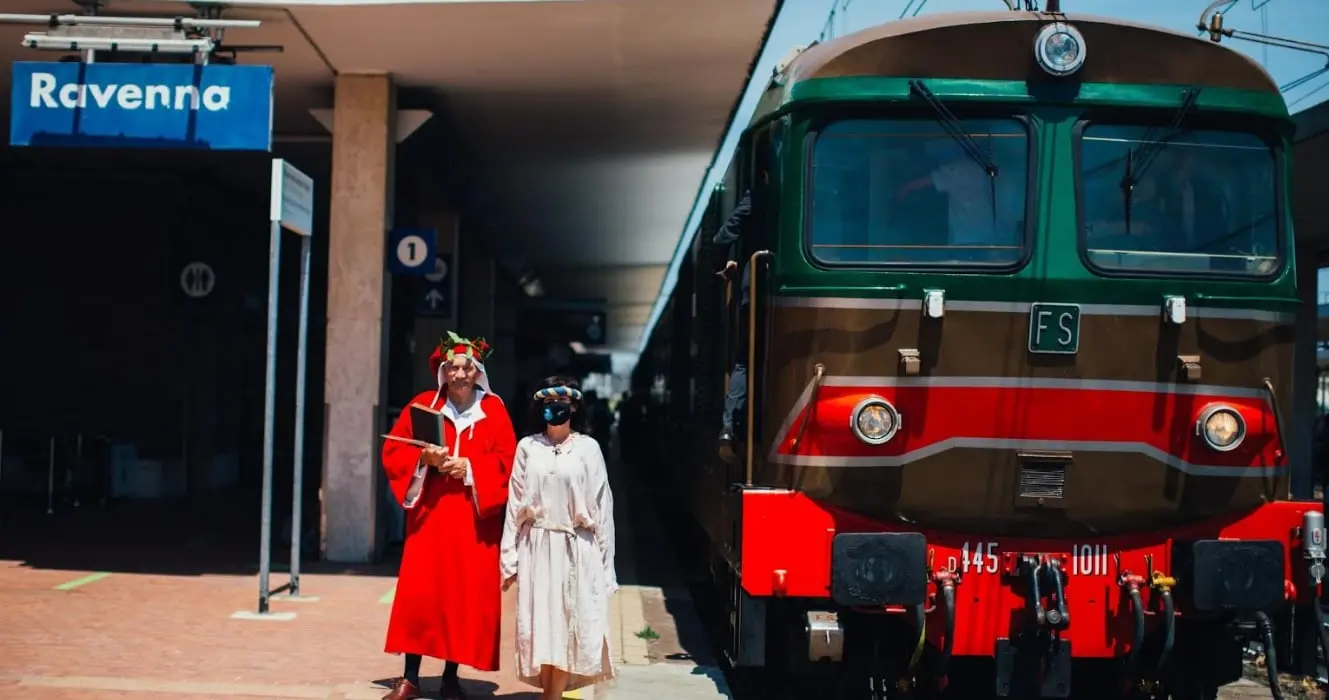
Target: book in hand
x=426 y=427
x=426 y=424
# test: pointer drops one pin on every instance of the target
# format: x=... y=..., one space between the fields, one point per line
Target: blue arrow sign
x=435 y=290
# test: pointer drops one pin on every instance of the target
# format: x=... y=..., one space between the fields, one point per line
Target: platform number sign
x=411 y=252
x=1054 y=329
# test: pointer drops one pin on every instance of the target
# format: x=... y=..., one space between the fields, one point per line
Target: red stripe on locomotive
x=933 y=414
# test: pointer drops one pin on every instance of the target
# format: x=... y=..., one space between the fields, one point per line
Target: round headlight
x=1059 y=49
x=1222 y=427
x=874 y=421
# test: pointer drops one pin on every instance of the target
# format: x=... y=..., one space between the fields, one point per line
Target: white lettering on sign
x=46 y=91
x=1065 y=333
x=1089 y=560
x=979 y=557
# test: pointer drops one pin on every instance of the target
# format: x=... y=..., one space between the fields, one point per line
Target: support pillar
x=363 y=145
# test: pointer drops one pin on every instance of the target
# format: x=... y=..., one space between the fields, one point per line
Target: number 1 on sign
x=981 y=558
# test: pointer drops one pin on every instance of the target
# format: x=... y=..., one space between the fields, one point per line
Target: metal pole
x=298 y=466
x=269 y=419
x=50 y=481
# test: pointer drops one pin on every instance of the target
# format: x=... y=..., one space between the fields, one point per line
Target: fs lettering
x=1054 y=328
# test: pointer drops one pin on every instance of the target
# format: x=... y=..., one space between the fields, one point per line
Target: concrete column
x=428 y=329
x=363 y=145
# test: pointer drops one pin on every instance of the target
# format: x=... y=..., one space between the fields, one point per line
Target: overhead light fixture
x=46 y=42
x=530 y=285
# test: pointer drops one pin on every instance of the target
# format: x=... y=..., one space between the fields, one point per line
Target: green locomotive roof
x=998 y=46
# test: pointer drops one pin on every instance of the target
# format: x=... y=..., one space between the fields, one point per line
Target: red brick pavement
x=141 y=635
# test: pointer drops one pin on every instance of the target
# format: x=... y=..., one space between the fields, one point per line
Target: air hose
x=1266 y=628
x=948 y=595
x=1170 y=625
x=1137 y=637
x=921 y=620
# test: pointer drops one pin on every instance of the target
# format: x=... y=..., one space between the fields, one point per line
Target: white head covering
x=481 y=381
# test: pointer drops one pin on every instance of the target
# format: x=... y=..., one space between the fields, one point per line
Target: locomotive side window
x=1202 y=202
x=906 y=192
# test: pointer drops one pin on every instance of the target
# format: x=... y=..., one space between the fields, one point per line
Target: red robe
x=448 y=601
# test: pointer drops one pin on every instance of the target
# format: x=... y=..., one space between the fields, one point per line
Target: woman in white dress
x=558 y=547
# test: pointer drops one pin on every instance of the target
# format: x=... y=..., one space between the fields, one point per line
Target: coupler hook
x=1046 y=573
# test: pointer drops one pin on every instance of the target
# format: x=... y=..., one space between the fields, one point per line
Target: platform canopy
x=588 y=124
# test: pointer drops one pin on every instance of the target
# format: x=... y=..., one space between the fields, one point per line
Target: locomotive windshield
x=906 y=192
x=1205 y=204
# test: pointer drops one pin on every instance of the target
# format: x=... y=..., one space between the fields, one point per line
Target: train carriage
x=1020 y=350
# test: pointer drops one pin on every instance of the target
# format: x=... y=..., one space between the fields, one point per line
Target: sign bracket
x=291 y=207
x=91 y=33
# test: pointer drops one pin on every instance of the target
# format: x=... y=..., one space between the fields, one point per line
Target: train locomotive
x=1019 y=353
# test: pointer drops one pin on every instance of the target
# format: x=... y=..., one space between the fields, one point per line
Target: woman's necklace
x=558 y=446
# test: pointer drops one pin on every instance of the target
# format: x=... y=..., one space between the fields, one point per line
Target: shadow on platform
x=430 y=686
x=653 y=551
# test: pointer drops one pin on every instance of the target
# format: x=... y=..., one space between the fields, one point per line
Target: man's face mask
x=557 y=413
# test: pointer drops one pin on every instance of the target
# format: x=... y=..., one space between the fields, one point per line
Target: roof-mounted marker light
x=1059 y=49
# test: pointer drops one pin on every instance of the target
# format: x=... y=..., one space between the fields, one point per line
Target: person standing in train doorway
x=728 y=244
x=448 y=602
x=728 y=241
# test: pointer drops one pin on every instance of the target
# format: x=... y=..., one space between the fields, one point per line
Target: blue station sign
x=141 y=105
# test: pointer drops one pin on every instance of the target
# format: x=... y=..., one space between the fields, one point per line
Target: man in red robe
x=448 y=600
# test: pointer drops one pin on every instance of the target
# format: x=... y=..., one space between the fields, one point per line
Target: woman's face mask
x=557 y=413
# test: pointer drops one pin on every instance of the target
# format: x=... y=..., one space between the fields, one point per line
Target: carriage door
x=755 y=176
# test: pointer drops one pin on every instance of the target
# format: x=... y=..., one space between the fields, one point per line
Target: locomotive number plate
x=1054 y=329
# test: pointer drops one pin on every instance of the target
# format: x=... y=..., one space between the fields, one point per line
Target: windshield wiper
x=1152 y=144
x=955 y=129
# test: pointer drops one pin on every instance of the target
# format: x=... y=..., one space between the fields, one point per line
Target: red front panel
x=1093 y=416
x=787 y=536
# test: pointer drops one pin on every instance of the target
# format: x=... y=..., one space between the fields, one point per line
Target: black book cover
x=426 y=424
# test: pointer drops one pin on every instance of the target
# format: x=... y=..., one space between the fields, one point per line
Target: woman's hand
x=507 y=582
x=434 y=456
x=455 y=467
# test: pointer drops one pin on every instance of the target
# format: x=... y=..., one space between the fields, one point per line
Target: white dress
x=559 y=541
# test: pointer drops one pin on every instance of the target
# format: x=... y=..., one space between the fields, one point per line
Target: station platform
x=185 y=627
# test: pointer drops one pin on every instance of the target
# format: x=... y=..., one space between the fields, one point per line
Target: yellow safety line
x=69 y=585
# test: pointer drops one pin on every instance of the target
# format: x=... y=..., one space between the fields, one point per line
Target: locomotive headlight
x=1059 y=49
x=874 y=421
x=1222 y=427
